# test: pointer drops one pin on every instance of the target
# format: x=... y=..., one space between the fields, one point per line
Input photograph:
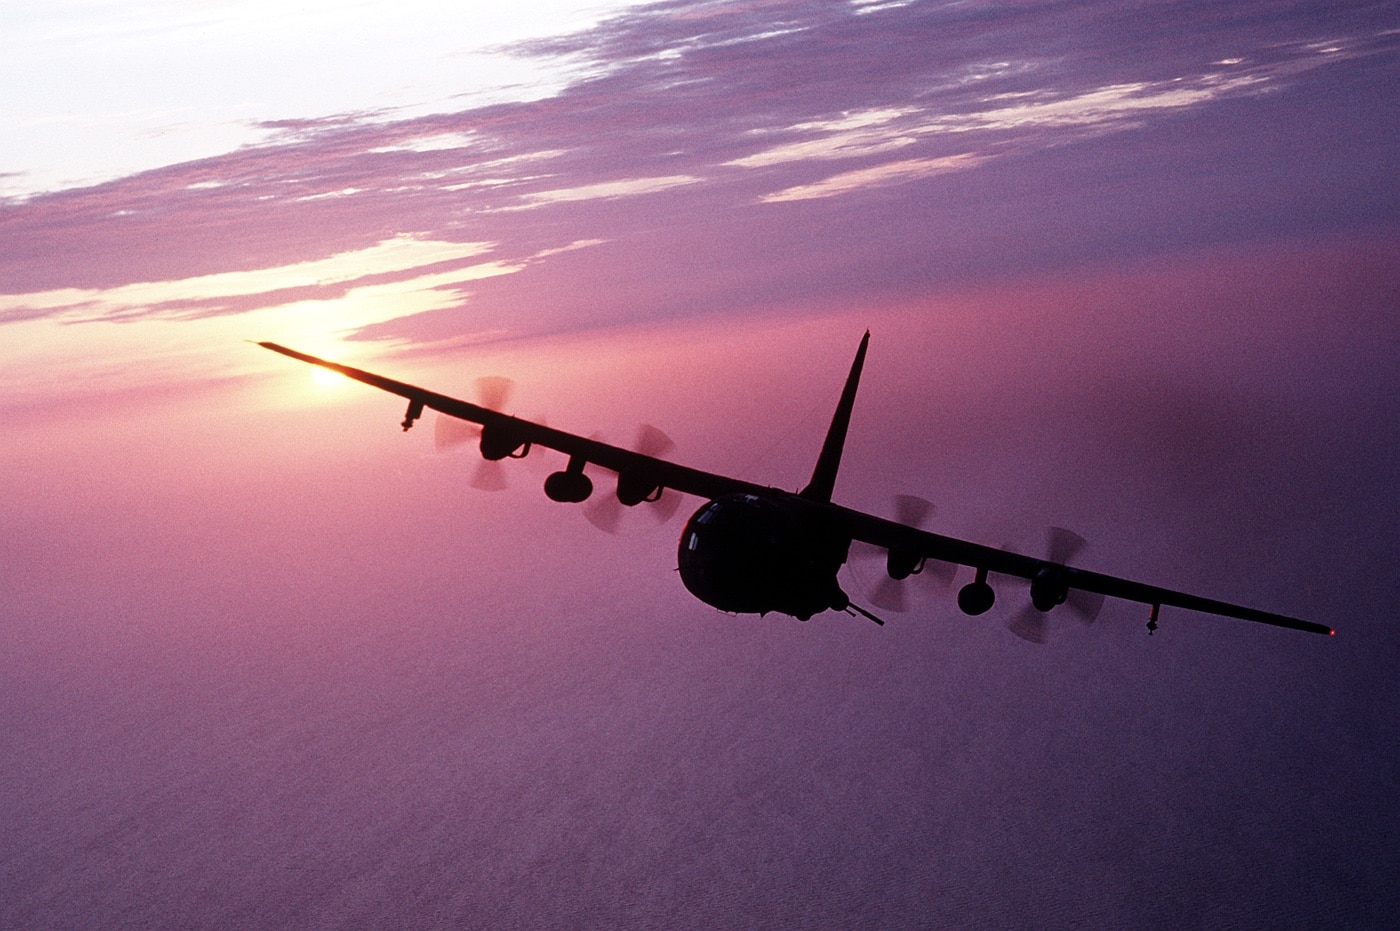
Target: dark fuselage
x=751 y=555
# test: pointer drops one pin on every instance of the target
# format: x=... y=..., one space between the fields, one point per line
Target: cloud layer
x=702 y=126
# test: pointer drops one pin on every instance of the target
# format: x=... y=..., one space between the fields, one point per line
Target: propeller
x=493 y=391
x=606 y=511
x=890 y=593
x=912 y=510
x=1031 y=623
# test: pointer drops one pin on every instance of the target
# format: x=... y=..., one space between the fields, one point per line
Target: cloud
x=1117 y=105
x=400 y=255
x=687 y=122
x=849 y=135
x=1024 y=113
x=90 y=94
x=877 y=176
x=606 y=190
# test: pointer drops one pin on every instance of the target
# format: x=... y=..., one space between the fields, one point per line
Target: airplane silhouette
x=751 y=549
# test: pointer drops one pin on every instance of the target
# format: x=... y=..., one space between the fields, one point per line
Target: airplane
x=751 y=549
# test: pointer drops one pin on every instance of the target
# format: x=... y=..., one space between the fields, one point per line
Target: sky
x=1131 y=268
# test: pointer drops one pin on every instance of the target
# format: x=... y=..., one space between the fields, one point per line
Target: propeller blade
x=1029 y=624
x=489 y=475
x=864 y=552
x=912 y=510
x=448 y=432
x=1032 y=624
x=1086 y=605
x=1063 y=545
x=665 y=507
x=493 y=391
x=451 y=432
x=889 y=594
x=936 y=570
x=605 y=513
x=652 y=442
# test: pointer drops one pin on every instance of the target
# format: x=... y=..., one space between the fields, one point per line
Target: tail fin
x=824 y=475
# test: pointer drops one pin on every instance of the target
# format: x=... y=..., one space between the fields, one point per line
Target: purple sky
x=1130 y=268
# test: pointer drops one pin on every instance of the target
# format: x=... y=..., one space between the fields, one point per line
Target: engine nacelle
x=902 y=563
x=1049 y=587
x=499 y=441
x=636 y=486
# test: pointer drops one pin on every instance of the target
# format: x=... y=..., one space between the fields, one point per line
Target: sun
x=325 y=378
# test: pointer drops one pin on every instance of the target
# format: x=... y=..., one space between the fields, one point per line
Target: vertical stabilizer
x=824 y=475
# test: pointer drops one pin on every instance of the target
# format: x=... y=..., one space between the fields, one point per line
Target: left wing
x=917 y=544
x=513 y=432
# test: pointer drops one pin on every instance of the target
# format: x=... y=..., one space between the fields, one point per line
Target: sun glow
x=327 y=379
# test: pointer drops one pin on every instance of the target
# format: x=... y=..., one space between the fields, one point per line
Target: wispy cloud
x=873 y=133
x=402 y=255
x=877 y=176
x=850 y=135
x=1119 y=106
x=606 y=190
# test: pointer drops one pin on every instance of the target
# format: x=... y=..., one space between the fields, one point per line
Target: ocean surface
x=413 y=704
x=637 y=761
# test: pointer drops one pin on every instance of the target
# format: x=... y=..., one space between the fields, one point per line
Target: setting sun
x=325 y=378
